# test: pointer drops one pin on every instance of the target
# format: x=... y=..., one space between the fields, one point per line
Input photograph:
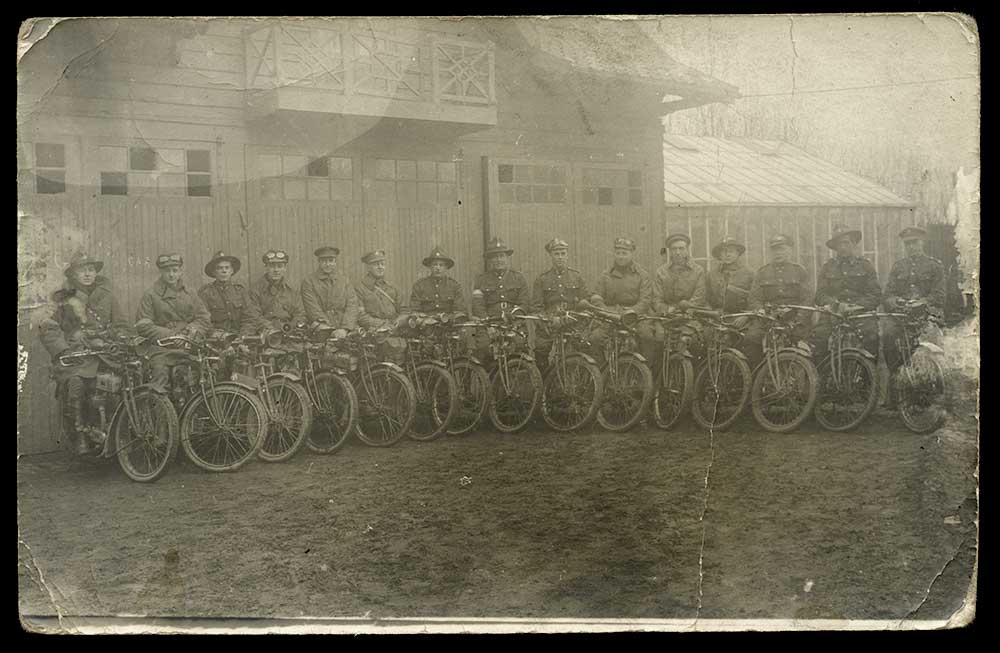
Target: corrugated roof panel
x=702 y=196
x=707 y=174
x=720 y=193
x=755 y=193
x=682 y=193
x=670 y=198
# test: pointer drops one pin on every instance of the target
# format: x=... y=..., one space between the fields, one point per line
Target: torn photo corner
x=739 y=391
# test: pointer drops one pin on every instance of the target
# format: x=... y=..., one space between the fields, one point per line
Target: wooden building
x=751 y=189
x=137 y=137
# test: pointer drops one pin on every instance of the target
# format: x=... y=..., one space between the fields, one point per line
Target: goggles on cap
x=169 y=259
x=275 y=256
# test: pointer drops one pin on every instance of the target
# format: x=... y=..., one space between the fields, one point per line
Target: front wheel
x=516 y=390
x=674 y=391
x=289 y=420
x=387 y=405
x=437 y=402
x=573 y=393
x=335 y=412
x=473 y=386
x=225 y=432
x=628 y=391
x=784 y=392
x=922 y=393
x=721 y=391
x=147 y=444
x=846 y=398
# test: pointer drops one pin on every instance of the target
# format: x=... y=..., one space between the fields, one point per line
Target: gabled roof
x=737 y=171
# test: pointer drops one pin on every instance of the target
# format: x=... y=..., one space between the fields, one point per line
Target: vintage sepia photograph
x=498 y=324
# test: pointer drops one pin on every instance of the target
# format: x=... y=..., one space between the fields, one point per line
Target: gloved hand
x=684 y=304
x=340 y=333
x=556 y=322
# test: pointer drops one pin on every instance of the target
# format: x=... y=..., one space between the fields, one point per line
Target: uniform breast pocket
x=856 y=280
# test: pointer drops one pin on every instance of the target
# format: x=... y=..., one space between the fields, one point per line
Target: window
x=415 y=182
x=607 y=187
x=298 y=177
x=165 y=172
x=531 y=183
x=50 y=168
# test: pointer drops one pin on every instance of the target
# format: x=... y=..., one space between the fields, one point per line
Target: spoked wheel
x=922 y=391
x=386 y=408
x=437 y=402
x=844 y=400
x=147 y=445
x=473 y=386
x=334 y=413
x=721 y=395
x=628 y=392
x=781 y=404
x=289 y=420
x=673 y=392
x=226 y=435
x=516 y=394
x=572 y=394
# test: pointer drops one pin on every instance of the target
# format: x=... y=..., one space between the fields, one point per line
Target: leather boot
x=74 y=415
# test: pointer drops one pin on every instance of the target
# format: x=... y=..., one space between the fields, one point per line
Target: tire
x=674 y=392
x=289 y=423
x=473 y=386
x=233 y=443
x=720 y=400
x=922 y=401
x=146 y=449
x=572 y=394
x=781 y=410
x=626 y=397
x=437 y=402
x=335 y=413
x=385 y=416
x=515 y=401
x=842 y=406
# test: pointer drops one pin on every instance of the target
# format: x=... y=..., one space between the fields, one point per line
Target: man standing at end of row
x=327 y=297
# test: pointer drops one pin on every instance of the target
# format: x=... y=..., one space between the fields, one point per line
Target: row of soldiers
x=328 y=297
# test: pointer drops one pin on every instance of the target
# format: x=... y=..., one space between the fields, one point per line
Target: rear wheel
x=334 y=413
x=781 y=404
x=721 y=392
x=516 y=394
x=289 y=420
x=387 y=405
x=147 y=445
x=473 y=386
x=572 y=394
x=673 y=392
x=628 y=391
x=844 y=400
x=922 y=391
x=226 y=432
x=437 y=402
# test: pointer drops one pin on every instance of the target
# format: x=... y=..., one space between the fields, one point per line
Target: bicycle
x=628 y=381
x=142 y=431
x=387 y=402
x=921 y=386
x=222 y=424
x=435 y=387
x=515 y=382
x=472 y=383
x=673 y=393
x=722 y=386
x=784 y=387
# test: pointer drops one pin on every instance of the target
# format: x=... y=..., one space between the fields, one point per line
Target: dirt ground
x=877 y=524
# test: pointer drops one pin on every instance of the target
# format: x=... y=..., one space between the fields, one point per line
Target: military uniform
x=619 y=290
x=554 y=291
x=380 y=306
x=231 y=308
x=776 y=283
x=330 y=299
x=492 y=295
x=277 y=302
x=728 y=287
x=677 y=282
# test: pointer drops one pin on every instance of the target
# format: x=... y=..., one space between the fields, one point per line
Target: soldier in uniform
x=728 y=286
x=380 y=305
x=915 y=277
x=273 y=296
x=169 y=309
x=557 y=289
x=681 y=283
x=328 y=297
x=85 y=302
x=437 y=293
x=227 y=301
x=781 y=281
x=846 y=279
x=625 y=286
x=496 y=291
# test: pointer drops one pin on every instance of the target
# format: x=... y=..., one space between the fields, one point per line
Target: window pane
x=539 y=194
x=270 y=189
x=406 y=191
x=141 y=158
x=385 y=169
x=506 y=194
x=111 y=159
x=635 y=197
x=542 y=174
x=522 y=173
x=50 y=182
x=446 y=171
x=268 y=165
x=340 y=168
x=295 y=189
x=171 y=160
x=523 y=193
x=558 y=175
x=385 y=191
x=588 y=177
x=449 y=192
x=318 y=167
x=589 y=196
x=319 y=189
x=199 y=185
x=199 y=161
x=173 y=184
x=620 y=196
x=342 y=189
x=557 y=194
x=635 y=178
x=604 y=196
x=427 y=192
x=620 y=178
x=505 y=173
x=406 y=170
x=142 y=182
x=114 y=183
x=426 y=171
x=293 y=165
x=50 y=155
